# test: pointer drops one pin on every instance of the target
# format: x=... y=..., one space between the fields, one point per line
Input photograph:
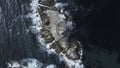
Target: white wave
x=61 y=5
x=36 y=20
x=31 y=63
x=13 y=64
x=71 y=63
x=51 y=66
x=25 y=63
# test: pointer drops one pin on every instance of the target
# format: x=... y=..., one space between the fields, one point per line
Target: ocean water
x=97 y=29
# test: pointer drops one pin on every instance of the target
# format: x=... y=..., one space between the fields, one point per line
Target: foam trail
x=36 y=20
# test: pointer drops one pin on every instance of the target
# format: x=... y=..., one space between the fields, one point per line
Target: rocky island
x=57 y=29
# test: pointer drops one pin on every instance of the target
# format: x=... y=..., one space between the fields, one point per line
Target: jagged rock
x=46 y=34
x=56 y=23
x=76 y=45
x=57 y=47
x=71 y=53
x=61 y=28
x=73 y=50
x=64 y=43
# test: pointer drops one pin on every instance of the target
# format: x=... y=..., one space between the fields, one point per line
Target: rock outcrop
x=58 y=26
